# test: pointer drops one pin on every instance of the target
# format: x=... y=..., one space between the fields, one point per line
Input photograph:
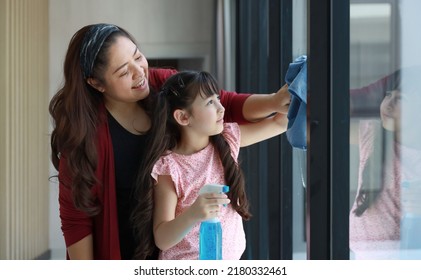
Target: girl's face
x=390 y=111
x=126 y=78
x=207 y=115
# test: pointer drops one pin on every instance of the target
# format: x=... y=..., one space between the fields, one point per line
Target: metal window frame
x=264 y=51
x=328 y=130
x=327 y=231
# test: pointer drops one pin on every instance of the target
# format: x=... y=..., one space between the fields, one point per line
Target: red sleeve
x=158 y=76
x=366 y=101
x=233 y=103
x=75 y=224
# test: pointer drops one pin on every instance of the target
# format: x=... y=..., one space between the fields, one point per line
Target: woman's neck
x=131 y=116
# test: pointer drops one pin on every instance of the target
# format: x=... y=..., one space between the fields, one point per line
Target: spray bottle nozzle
x=214 y=188
x=225 y=189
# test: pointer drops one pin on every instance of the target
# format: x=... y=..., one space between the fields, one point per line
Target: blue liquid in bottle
x=210 y=240
x=210 y=233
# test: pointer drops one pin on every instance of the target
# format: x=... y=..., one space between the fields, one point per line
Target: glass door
x=299 y=160
x=385 y=149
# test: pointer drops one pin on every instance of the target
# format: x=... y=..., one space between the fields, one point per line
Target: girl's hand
x=207 y=206
x=170 y=229
x=281 y=120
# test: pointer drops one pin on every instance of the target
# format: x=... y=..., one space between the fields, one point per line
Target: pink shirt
x=189 y=173
x=376 y=233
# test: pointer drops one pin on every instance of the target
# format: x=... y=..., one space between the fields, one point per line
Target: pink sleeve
x=232 y=134
x=166 y=166
x=161 y=167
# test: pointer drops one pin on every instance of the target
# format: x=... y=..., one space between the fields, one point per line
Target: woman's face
x=126 y=78
x=390 y=111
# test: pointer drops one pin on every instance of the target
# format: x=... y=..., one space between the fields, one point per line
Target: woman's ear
x=95 y=84
x=182 y=117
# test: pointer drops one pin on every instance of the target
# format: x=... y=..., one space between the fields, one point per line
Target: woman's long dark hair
x=179 y=92
x=75 y=113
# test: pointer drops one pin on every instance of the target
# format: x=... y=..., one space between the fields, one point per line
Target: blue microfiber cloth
x=296 y=78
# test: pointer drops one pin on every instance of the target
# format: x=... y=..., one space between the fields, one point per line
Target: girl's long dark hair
x=374 y=170
x=75 y=113
x=179 y=92
x=382 y=145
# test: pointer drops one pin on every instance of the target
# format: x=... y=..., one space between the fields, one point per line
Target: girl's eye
x=210 y=102
x=139 y=57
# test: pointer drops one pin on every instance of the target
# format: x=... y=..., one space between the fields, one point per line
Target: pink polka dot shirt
x=189 y=173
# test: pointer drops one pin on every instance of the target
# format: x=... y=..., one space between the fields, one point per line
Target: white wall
x=163 y=28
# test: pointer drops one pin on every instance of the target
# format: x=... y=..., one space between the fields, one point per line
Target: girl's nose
x=392 y=102
x=220 y=107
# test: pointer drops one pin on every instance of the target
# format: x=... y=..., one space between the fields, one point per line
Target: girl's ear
x=95 y=84
x=182 y=117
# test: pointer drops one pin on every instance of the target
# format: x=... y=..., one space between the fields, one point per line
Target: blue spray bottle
x=210 y=234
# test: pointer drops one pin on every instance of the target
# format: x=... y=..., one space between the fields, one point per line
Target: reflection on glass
x=299 y=46
x=385 y=175
x=410 y=140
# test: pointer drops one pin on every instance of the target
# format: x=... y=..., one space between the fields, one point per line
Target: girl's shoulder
x=231 y=129
x=165 y=165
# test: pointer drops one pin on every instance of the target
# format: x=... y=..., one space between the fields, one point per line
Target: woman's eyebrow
x=120 y=67
x=135 y=51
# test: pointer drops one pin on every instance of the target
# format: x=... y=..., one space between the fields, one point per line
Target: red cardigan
x=75 y=224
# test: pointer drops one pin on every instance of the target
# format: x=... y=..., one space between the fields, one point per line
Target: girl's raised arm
x=256 y=132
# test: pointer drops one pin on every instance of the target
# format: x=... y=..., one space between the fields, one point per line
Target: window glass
x=299 y=47
x=385 y=138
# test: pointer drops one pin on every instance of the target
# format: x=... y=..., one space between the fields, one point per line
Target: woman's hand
x=260 y=106
x=282 y=99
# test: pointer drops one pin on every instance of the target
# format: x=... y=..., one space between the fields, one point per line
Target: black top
x=130 y=149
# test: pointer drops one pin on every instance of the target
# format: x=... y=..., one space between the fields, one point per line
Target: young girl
x=191 y=146
x=390 y=157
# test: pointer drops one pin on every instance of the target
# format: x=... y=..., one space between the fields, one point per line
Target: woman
x=101 y=116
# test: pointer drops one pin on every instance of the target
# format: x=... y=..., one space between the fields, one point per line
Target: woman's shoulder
x=158 y=76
